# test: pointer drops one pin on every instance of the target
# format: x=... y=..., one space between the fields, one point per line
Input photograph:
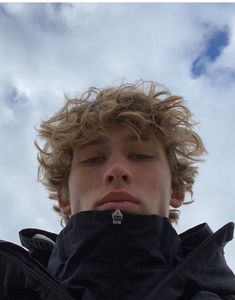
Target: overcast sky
x=47 y=50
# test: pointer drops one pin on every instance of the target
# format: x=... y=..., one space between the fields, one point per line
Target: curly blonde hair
x=140 y=106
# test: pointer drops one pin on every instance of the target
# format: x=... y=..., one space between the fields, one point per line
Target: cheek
x=82 y=183
x=75 y=183
x=158 y=178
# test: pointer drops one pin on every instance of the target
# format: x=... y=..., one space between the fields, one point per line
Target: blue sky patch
x=17 y=96
x=218 y=40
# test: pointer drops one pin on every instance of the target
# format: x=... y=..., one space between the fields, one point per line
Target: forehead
x=121 y=134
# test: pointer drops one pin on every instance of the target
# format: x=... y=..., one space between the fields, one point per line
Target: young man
x=118 y=162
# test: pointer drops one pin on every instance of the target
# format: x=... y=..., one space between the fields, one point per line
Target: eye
x=94 y=160
x=141 y=157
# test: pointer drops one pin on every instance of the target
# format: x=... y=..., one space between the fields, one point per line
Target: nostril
x=125 y=178
x=110 y=178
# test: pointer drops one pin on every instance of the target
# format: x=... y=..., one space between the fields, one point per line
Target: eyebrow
x=102 y=140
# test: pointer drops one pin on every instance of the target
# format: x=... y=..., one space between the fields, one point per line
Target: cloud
x=50 y=49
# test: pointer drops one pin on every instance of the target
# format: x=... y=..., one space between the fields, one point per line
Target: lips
x=118 y=198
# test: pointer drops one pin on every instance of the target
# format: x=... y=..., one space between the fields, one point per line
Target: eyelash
x=96 y=160
x=141 y=157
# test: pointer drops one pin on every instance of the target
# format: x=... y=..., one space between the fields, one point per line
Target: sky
x=50 y=50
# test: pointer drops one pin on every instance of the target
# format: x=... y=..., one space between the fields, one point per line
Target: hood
x=115 y=260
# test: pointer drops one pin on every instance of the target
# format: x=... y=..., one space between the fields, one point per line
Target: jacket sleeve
x=206 y=295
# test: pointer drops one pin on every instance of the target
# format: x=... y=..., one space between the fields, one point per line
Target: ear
x=177 y=198
x=64 y=203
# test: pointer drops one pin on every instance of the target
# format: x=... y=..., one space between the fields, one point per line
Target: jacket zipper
x=117 y=217
x=117 y=220
x=53 y=285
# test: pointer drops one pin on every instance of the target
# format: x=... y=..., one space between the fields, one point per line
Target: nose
x=118 y=173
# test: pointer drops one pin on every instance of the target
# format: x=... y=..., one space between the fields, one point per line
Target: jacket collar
x=114 y=259
x=194 y=253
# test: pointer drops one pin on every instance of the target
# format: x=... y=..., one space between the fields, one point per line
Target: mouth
x=118 y=200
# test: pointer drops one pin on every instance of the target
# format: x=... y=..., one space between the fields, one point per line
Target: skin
x=120 y=164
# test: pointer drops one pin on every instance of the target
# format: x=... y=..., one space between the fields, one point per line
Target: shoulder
x=205 y=266
x=23 y=277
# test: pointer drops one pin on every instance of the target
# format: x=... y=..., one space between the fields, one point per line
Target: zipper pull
x=117 y=217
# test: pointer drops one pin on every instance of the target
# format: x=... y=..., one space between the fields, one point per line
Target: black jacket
x=141 y=258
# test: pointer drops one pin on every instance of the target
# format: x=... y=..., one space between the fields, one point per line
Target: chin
x=125 y=206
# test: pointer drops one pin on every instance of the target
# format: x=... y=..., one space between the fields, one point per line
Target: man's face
x=121 y=173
